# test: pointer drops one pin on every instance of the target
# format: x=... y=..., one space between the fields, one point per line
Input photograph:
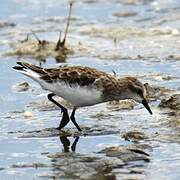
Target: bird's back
x=80 y=85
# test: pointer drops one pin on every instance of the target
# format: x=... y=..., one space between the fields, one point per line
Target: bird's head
x=137 y=91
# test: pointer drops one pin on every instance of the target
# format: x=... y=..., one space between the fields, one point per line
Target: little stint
x=83 y=86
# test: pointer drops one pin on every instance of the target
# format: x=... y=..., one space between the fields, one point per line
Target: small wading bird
x=83 y=86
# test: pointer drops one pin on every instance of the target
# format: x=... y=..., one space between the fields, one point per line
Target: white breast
x=77 y=95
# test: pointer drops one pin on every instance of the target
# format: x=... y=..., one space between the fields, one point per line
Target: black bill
x=145 y=103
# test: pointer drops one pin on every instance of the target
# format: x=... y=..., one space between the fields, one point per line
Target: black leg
x=73 y=147
x=65 y=142
x=73 y=119
x=65 y=116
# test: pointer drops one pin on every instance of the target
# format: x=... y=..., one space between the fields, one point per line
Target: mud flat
x=120 y=140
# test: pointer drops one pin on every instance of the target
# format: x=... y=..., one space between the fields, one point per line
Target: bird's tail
x=29 y=70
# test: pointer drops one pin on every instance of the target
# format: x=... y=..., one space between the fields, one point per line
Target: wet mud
x=120 y=140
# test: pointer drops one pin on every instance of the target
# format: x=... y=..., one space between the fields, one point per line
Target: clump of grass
x=42 y=49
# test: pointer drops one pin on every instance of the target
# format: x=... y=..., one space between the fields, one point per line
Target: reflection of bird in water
x=83 y=86
x=66 y=143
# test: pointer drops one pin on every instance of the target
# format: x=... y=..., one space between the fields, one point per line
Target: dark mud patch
x=174 y=122
x=132 y=152
x=173 y=57
x=78 y=166
x=169 y=129
x=52 y=132
x=4 y=24
x=33 y=165
x=83 y=166
x=172 y=102
x=134 y=136
x=48 y=132
x=24 y=86
x=124 y=14
x=170 y=137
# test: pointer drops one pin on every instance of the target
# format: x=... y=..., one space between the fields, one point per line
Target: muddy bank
x=172 y=102
x=120 y=140
x=78 y=166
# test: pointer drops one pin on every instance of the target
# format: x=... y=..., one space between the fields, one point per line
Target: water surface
x=138 y=38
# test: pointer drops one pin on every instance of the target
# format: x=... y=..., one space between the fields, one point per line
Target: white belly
x=75 y=94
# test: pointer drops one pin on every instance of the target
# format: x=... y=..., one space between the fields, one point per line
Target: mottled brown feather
x=110 y=86
x=83 y=76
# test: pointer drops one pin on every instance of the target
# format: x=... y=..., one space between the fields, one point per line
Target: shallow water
x=138 y=38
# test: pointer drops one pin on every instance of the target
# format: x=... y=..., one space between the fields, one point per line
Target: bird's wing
x=72 y=75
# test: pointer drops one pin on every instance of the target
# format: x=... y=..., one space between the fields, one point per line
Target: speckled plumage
x=83 y=86
x=110 y=86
